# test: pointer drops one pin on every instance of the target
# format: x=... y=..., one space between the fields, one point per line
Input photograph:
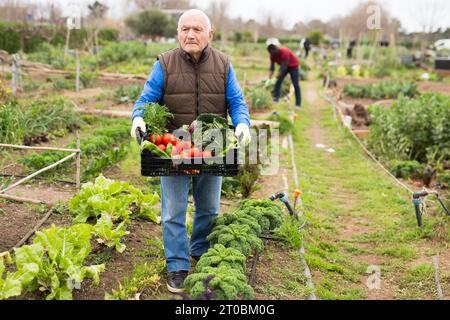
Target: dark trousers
x=294 y=72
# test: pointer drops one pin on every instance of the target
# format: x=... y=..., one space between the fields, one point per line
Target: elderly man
x=191 y=80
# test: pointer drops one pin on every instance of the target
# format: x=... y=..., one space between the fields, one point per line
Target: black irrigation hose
x=253 y=273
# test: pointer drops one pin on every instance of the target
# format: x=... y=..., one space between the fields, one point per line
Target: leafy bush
x=407 y=169
x=9 y=38
x=239 y=218
x=220 y=256
x=51 y=55
x=383 y=90
x=286 y=126
x=108 y=34
x=113 y=204
x=237 y=236
x=119 y=199
x=412 y=129
x=116 y=52
x=266 y=212
x=54 y=263
x=227 y=283
x=99 y=150
x=21 y=123
x=153 y=23
x=260 y=99
x=128 y=93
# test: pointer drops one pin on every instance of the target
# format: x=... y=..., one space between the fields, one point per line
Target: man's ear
x=211 y=35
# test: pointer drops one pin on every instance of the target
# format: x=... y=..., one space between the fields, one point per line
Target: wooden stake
x=78 y=179
x=39 y=172
x=21 y=199
x=38 y=148
x=77 y=78
x=32 y=231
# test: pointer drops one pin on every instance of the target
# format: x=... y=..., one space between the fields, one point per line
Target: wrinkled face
x=193 y=34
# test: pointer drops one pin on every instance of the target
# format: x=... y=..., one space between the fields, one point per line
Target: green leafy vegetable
x=220 y=256
x=57 y=255
x=236 y=236
x=156 y=118
x=228 y=283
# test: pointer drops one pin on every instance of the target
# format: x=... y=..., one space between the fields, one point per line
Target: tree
x=97 y=12
x=152 y=23
x=315 y=37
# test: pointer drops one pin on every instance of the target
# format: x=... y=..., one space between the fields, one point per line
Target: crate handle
x=140 y=135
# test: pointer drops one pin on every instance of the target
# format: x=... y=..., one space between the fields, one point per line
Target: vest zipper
x=197 y=93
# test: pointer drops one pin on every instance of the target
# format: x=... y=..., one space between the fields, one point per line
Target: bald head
x=197 y=15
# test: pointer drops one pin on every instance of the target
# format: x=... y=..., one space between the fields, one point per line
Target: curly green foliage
x=266 y=212
x=239 y=218
x=219 y=256
x=229 y=284
x=156 y=117
x=236 y=236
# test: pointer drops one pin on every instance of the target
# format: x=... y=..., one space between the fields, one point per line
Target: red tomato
x=182 y=146
x=162 y=147
x=206 y=154
x=195 y=152
x=168 y=138
x=156 y=140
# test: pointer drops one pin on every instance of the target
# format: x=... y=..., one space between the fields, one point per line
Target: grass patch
x=418 y=284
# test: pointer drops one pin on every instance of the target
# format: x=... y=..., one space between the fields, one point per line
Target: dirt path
x=342 y=203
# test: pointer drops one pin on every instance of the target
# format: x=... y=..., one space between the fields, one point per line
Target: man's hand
x=270 y=75
x=137 y=122
x=243 y=130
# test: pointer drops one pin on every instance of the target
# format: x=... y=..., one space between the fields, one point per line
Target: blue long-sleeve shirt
x=154 y=87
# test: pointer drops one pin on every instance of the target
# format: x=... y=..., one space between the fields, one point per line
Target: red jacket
x=286 y=55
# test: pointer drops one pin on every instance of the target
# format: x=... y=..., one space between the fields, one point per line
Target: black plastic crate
x=215 y=166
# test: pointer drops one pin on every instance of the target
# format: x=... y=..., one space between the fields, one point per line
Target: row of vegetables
x=55 y=262
x=221 y=271
x=104 y=146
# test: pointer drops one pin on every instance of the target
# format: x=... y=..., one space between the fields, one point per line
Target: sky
x=411 y=13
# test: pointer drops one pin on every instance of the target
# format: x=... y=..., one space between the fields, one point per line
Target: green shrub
x=116 y=52
x=407 y=169
x=383 y=90
x=260 y=99
x=412 y=129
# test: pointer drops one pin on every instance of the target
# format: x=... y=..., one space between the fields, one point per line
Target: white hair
x=196 y=12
